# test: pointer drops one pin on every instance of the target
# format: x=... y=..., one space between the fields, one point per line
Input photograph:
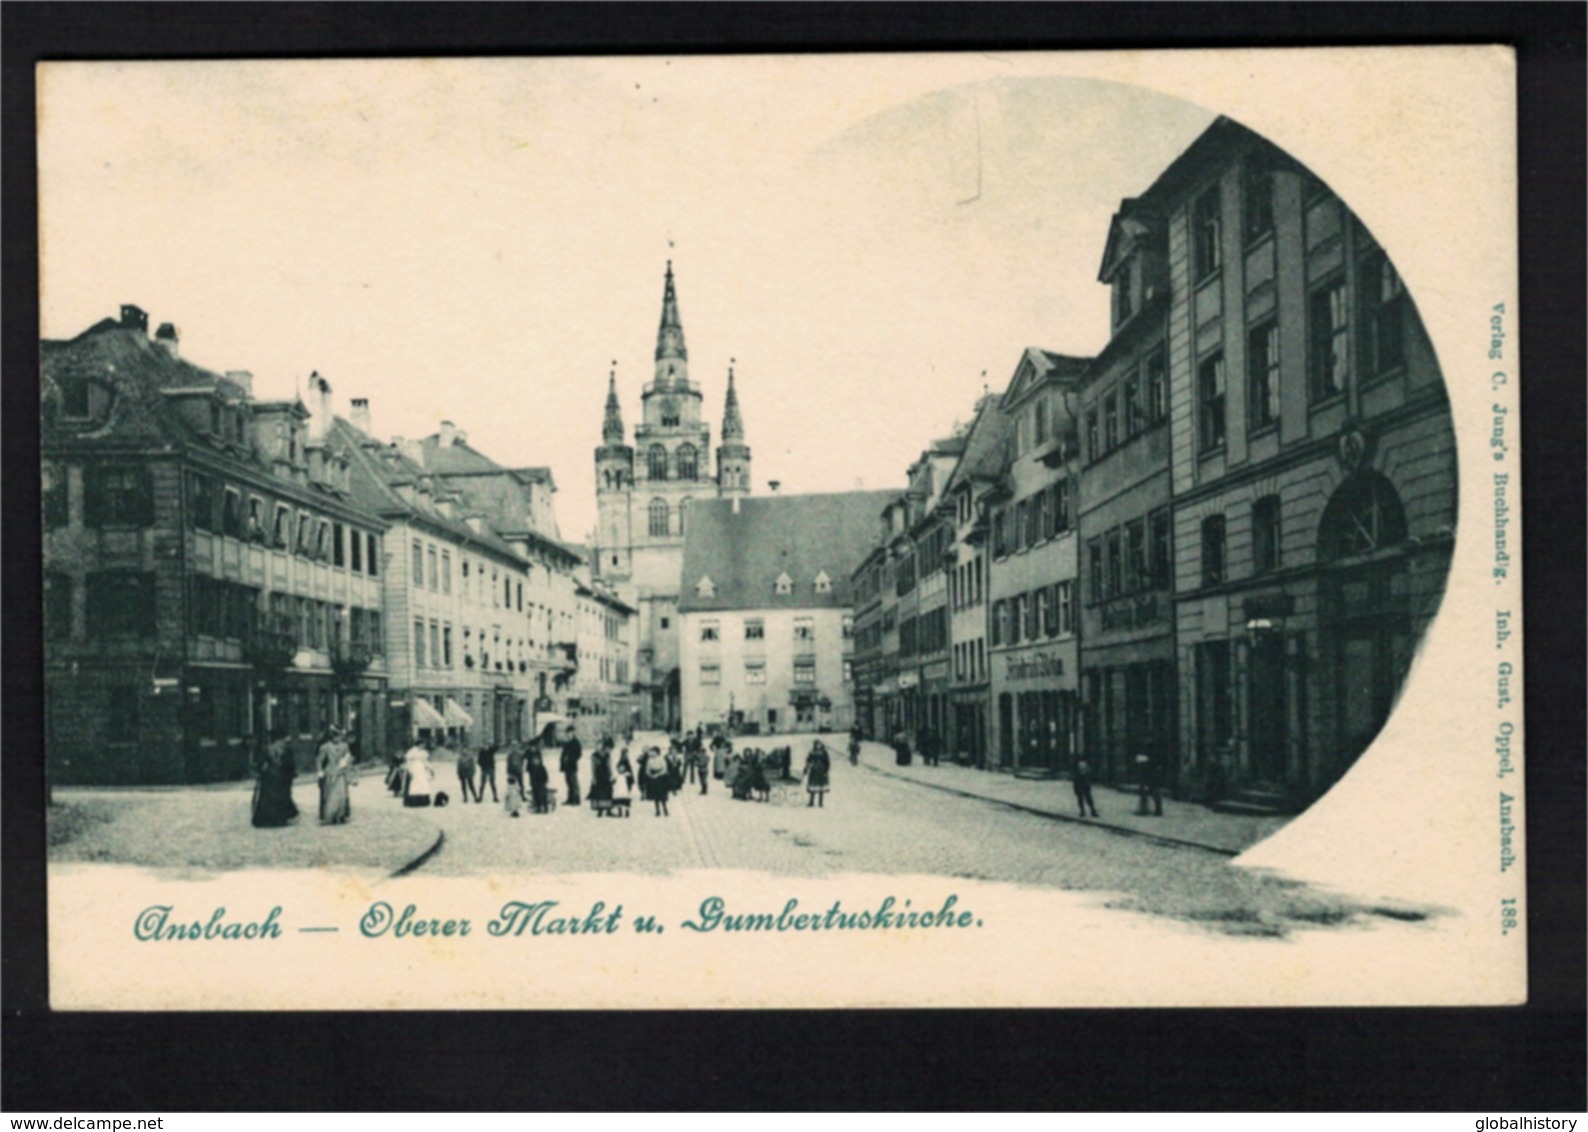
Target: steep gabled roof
x=745 y=549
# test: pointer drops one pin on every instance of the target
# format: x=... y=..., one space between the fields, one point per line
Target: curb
x=418 y=862
x=1091 y=823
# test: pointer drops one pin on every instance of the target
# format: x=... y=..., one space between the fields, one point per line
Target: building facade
x=1314 y=471
x=644 y=494
x=922 y=584
x=767 y=611
x=209 y=576
x=1032 y=641
x=603 y=702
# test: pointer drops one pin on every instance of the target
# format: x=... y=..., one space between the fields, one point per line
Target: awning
x=456 y=716
x=427 y=716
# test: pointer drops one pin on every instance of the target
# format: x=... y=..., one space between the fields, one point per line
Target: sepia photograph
x=1025 y=529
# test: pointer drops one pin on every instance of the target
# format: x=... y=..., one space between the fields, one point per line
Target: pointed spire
x=670 y=334
x=612 y=427
x=732 y=422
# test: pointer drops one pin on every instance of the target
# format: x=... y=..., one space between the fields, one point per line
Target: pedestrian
x=931 y=748
x=272 y=804
x=539 y=781
x=818 y=767
x=487 y=773
x=418 y=776
x=626 y=769
x=334 y=766
x=720 y=749
x=1148 y=786
x=601 y=780
x=572 y=752
x=1081 y=780
x=702 y=764
x=901 y=749
x=654 y=779
x=675 y=769
x=854 y=746
x=467 y=783
x=513 y=783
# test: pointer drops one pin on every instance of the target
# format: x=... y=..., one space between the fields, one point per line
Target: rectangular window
x=1328 y=359
x=1064 y=603
x=374 y=555
x=356 y=548
x=1213 y=550
x=999 y=623
x=711 y=673
x=1205 y=226
x=755 y=629
x=121 y=603
x=755 y=672
x=1210 y=402
x=1094 y=570
x=338 y=548
x=1116 y=564
x=1156 y=377
x=57 y=606
x=446 y=646
x=446 y=571
x=1039 y=421
x=322 y=540
x=435 y=645
x=1137 y=570
x=1124 y=297
x=232 y=514
x=709 y=631
x=200 y=502
x=1257 y=198
x=1094 y=440
x=281 y=535
x=1043 y=613
x=305 y=544
x=419 y=643
x=1262 y=374
x=804 y=629
x=56 y=499
x=1160 y=549
x=805 y=672
x=435 y=572
x=1022 y=539
x=1384 y=306
x=848 y=627
x=1110 y=422
x=118 y=496
x=1061 y=506
x=1265 y=534
x=1000 y=534
x=849 y=672
x=1134 y=420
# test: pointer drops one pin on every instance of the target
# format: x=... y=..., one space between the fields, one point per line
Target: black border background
x=1528 y=1059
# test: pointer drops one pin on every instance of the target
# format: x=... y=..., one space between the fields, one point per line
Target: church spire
x=732 y=422
x=612 y=427
x=672 y=357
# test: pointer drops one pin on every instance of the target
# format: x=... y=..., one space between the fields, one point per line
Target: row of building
x=219 y=567
x=1219 y=540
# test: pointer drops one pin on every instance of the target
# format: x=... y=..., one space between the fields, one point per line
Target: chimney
x=361 y=419
x=320 y=410
x=242 y=379
x=448 y=434
x=134 y=318
x=412 y=449
x=166 y=337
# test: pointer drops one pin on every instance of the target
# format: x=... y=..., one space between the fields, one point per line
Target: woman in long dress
x=655 y=780
x=600 y=794
x=421 y=778
x=513 y=788
x=273 y=805
x=335 y=766
x=539 y=781
x=818 y=766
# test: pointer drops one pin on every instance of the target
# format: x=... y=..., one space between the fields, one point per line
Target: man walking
x=466 y=768
x=1082 y=781
x=1148 y=786
x=572 y=752
x=487 y=767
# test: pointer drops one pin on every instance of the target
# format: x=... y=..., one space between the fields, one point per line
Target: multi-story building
x=644 y=493
x=516 y=505
x=866 y=655
x=603 y=703
x=1313 y=463
x=209 y=577
x=457 y=635
x=1032 y=644
x=970 y=490
x=1127 y=632
x=922 y=583
x=767 y=610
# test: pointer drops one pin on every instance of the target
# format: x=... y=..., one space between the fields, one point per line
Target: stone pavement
x=1182 y=823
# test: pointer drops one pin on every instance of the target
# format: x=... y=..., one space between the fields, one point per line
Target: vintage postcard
x=826 y=531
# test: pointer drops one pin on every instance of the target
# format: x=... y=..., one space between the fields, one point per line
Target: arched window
x=1363 y=515
x=656 y=462
x=686 y=462
x=658 y=518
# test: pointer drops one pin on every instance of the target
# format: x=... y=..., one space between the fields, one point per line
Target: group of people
x=275 y=767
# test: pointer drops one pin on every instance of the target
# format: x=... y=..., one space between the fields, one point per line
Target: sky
x=869 y=241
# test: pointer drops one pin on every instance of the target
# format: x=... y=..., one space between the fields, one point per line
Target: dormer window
x=705 y=587
x=784 y=584
x=84 y=400
x=824 y=584
x=1124 y=292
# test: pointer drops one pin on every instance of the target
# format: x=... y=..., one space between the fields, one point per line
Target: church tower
x=733 y=454
x=614 y=491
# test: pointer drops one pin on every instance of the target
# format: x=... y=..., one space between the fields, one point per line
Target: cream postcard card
x=825 y=531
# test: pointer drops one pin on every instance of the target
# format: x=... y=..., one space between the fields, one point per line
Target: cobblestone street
x=876 y=823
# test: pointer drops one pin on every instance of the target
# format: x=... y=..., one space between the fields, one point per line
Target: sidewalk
x=1182 y=823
